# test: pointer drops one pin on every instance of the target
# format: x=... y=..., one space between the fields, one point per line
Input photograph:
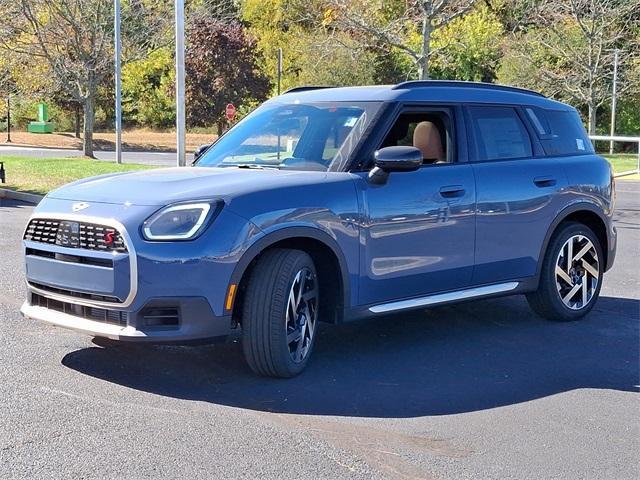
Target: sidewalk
x=138 y=140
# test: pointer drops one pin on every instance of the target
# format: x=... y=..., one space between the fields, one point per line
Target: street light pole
x=180 y=98
x=279 y=68
x=118 y=49
x=613 y=98
x=8 y=118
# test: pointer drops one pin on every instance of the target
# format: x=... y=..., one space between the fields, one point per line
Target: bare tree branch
x=363 y=20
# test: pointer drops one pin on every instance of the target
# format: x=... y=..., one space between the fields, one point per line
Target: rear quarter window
x=560 y=131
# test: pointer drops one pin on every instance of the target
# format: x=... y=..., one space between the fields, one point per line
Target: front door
x=418 y=228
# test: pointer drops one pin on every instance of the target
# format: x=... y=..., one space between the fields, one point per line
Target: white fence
x=606 y=138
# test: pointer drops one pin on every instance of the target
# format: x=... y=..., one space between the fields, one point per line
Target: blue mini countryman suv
x=332 y=204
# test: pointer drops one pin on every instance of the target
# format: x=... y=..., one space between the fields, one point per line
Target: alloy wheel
x=302 y=314
x=577 y=272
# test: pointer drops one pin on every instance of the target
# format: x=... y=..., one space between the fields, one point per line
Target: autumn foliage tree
x=74 y=39
x=567 y=51
x=221 y=67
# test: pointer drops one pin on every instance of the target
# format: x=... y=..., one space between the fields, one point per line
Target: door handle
x=452 y=191
x=543 y=182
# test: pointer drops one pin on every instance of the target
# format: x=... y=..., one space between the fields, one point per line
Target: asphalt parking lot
x=481 y=390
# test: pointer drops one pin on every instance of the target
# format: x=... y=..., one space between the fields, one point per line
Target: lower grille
x=90 y=313
x=161 y=316
x=98 y=262
x=73 y=293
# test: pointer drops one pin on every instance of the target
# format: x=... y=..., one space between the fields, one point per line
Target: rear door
x=518 y=191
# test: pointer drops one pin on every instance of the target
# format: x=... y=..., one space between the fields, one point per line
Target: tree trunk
x=423 y=61
x=592 y=116
x=77 y=120
x=89 y=118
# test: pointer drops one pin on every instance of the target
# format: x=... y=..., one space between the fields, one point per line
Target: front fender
x=297 y=232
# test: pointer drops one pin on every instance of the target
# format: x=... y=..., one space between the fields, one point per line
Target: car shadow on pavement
x=446 y=360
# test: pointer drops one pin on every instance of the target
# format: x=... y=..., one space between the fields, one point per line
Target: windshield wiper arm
x=255 y=166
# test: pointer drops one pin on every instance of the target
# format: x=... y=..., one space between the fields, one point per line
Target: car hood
x=169 y=185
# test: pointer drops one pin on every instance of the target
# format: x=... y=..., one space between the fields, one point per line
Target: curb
x=22 y=196
x=626 y=174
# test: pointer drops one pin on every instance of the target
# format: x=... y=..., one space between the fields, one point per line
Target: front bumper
x=118 y=295
x=166 y=320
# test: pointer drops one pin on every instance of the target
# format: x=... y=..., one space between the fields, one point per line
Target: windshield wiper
x=255 y=166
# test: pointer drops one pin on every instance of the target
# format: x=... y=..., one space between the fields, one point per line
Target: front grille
x=114 y=317
x=73 y=234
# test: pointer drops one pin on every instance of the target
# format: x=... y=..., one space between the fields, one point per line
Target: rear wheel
x=280 y=313
x=571 y=275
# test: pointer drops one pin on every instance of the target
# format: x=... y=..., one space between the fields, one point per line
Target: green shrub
x=147 y=90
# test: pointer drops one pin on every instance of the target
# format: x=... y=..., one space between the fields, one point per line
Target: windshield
x=313 y=136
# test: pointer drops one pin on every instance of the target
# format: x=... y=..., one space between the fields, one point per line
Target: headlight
x=183 y=221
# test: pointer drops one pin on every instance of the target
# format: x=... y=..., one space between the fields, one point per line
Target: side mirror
x=394 y=159
x=200 y=150
x=398 y=159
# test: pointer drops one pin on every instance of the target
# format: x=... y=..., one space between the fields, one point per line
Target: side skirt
x=440 y=298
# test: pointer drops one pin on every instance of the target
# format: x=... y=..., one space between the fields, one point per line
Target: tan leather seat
x=426 y=137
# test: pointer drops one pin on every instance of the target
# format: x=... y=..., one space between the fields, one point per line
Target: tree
x=370 y=23
x=468 y=48
x=148 y=89
x=75 y=38
x=569 y=53
x=311 y=55
x=278 y=24
x=7 y=89
x=221 y=66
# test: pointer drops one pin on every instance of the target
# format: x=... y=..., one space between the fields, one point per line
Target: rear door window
x=499 y=134
x=560 y=131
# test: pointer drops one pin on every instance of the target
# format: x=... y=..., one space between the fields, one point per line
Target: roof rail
x=463 y=84
x=305 y=88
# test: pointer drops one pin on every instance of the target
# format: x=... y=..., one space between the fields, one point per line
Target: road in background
x=481 y=390
x=144 y=158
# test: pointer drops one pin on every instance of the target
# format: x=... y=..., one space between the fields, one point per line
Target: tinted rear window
x=560 y=131
x=500 y=134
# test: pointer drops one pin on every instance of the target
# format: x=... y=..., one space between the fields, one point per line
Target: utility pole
x=180 y=100
x=8 y=118
x=118 y=49
x=279 y=68
x=613 y=98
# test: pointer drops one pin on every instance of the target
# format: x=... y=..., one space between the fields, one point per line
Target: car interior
x=425 y=131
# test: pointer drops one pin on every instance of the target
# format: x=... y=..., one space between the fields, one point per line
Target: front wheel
x=280 y=313
x=571 y=275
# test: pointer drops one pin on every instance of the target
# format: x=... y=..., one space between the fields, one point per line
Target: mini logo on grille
x=76 y=207
x=68 y=234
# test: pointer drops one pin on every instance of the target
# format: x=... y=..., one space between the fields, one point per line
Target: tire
x=569 y=292
x=280 y=313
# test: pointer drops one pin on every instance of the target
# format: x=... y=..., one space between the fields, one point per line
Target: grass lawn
x=623 y=162
x=39 y=175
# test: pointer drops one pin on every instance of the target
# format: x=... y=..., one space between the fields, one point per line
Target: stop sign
x=230 y=111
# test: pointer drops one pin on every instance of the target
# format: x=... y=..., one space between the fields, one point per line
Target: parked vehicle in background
x=332 y=204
